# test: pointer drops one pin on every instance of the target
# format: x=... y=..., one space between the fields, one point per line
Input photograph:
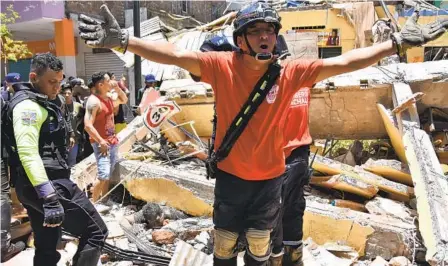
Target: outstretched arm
x=165 y=53
x=412 y=34
x=355 y=59
x=110 y=35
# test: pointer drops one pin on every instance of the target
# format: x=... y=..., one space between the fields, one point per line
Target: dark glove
x=107 y=34
x=53 y=211
x=414 y=34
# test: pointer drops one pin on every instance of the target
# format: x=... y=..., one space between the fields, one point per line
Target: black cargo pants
x=289 y=229
x=5 y=204
x=81 y=219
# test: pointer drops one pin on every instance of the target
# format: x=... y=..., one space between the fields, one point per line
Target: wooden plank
x=431 y=186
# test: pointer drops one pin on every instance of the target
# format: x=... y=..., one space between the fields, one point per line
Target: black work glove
x=414 y=34
x=53 y=211
x=105 y=35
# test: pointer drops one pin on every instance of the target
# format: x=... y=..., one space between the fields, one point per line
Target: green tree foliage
x=11 y=49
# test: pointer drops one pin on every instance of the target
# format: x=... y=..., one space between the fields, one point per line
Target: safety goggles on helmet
x=256 y=12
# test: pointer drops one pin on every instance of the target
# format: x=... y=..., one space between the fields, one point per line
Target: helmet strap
x=258 y=56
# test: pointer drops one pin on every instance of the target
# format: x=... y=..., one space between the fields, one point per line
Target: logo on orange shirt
x=300 y=98
x=272 y=94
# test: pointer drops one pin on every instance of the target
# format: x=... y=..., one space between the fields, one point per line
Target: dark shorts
x=241 y=204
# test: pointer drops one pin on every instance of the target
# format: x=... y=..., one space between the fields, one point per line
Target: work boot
x=12 y=250
x=293 y=256
x=89 y=256
x=275 y=260
x=226 y=262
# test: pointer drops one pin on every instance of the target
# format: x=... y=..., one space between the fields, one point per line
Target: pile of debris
x=363 y=200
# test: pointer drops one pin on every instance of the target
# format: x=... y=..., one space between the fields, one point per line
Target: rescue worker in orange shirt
x=249 y=180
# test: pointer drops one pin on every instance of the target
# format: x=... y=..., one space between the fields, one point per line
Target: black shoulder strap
x=240 y=122
x=25 y=94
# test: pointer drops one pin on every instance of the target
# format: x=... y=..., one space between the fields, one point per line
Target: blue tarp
x=292 y=3
x=425 y=12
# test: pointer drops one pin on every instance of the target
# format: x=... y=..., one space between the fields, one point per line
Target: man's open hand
x=106 y=35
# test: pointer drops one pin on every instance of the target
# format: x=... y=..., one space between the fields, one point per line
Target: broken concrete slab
x=114 y=229
x=26 y=258
x=431 y=186
x=348 y=184
x=122 y=243
x=400 y=261
x=341 y=251
x=332 y=167
x=379 y=262
x=343 y=107
x=382 y=206
x=323 y=257
x=188 y=229
x=370 y=235
x=391 y=169
x=185 y=191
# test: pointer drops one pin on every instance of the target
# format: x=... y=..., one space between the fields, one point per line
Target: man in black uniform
x=8 y=249
x=38 y=148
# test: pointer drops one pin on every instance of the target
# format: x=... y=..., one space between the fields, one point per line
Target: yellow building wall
x=330 y=18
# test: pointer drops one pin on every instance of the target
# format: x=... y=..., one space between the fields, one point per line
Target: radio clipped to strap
x=240 y=122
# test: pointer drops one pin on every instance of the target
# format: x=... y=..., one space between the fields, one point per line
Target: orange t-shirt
x=297 y=131
x=258 y=153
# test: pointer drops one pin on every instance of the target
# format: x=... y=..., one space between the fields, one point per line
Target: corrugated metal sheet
x=148 y=27
x=103 y=62
x=186 y=255
x=128 y=58
x=149 y=30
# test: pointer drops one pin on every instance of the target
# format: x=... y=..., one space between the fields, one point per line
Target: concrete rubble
x=381 y=204
x=361 y=214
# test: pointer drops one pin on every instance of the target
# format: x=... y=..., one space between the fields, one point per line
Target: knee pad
x=259 y=242
x=225 y=244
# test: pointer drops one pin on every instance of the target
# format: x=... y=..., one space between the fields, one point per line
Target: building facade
x=44 y=27
x=199 y=11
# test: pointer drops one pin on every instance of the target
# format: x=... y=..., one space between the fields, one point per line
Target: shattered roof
x=190 y=40
x=151 y=29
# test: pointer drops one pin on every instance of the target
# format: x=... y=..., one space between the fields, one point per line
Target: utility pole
x=137 y=59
